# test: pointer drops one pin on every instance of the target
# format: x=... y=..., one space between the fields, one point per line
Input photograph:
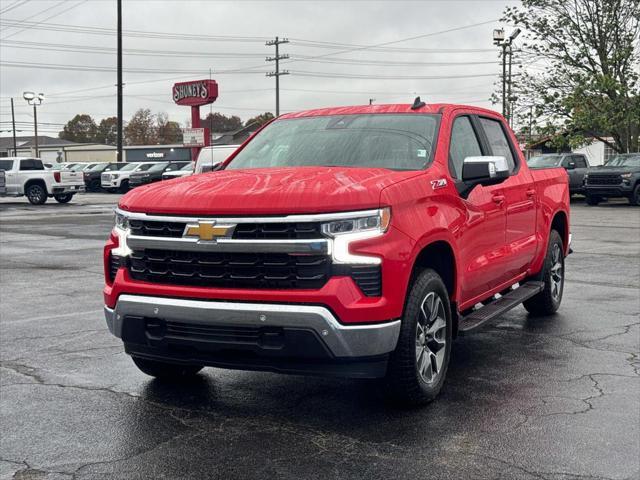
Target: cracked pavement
x=526 y=398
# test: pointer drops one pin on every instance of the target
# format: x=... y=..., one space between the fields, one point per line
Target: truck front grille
x=230 y=270
x=243 y=231
x=604 y=179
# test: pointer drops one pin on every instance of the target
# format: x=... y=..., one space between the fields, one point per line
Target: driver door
x=481 y=237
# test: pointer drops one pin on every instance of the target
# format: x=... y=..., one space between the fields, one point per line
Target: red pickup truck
x=352 y=241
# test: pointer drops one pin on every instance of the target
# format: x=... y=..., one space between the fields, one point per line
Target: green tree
x=81 y=128
x=141 y=129
x=218 y=122
x=260 y=120
x=168 y=131
x=108 y=131
x=587 y=82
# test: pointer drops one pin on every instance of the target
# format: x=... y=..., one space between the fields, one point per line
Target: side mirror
x=571 y=166
x=483 y=171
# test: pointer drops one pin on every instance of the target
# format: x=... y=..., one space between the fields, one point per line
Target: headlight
x=121 y=221
x=626 y=175
x=349 y=230
x=121 y=229
x=114 y=175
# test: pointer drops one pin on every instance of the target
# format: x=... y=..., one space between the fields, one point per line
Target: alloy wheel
x=556 y=273
x=431 y=335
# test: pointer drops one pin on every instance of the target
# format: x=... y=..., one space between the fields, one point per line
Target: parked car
x=618 y=178
x=29 y=177
x=154 y=174
x=354 y=241
x=113 y=181
x=92 y=175
x=576 y=165
x=182 y=172
x=210 y=158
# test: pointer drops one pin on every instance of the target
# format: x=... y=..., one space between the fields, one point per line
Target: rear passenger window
x=464 y=143
x=580 y=161
x=31 y=164
x=498 y=141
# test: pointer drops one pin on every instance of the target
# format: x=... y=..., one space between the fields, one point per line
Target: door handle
x=531 y=192
x=498 y=199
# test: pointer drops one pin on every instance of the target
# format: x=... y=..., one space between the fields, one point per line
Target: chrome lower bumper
x=342 y=340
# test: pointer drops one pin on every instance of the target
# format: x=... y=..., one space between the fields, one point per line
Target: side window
x=27 y=165
x=37 y=165
x=567 y=160
x=498 y=140
x=464 y=143
x=580 y=161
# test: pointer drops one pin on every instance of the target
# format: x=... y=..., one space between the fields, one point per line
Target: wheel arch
x=439 y=256
x=560 y=223
x=38 y=181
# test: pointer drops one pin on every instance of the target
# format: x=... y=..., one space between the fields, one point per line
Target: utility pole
x=277 y=42
x=509 y=98
x=119 y=157
x=504 y=79
x=371 y=100
x=13 y=126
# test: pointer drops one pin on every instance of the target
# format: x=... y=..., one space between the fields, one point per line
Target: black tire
x=548 y=300
x=94 y=186
x=166 y=371
x=63 y=198
x=124 y=186
x=634 y=199
x=593 y=199
x=406 y=382
x=36 y=194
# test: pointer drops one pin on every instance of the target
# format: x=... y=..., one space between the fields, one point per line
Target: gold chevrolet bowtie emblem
x=206 y=230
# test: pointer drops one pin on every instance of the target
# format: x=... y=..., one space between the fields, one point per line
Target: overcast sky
x=59 y=44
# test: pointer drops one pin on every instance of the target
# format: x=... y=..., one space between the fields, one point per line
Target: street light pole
x=13 y=127
x=35 y=100
x=119 y=126
x=505 y=43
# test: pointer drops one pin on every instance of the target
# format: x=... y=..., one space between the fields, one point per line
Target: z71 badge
x=440 y=183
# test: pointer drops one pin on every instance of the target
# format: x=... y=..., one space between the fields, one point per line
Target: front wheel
x=593 y=200
x=634 y=199
x=36 y=194
x=124 y=186
x=418 y=366
x=63 y=198
x=166 y=371
x=548 y=300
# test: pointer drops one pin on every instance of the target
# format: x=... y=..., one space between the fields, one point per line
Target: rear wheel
x=166 y=371
x=418 y=366
x=36 y=194
x=63 y=198
x=634 y=199
x=593 y=199
x=548 y=300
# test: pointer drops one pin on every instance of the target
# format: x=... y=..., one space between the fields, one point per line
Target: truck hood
x=266 y=191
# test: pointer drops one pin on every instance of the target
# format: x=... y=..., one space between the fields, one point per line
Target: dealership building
x=61 y=151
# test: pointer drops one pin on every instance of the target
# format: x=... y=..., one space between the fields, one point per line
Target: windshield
x=77 y=167
x=158 y=167
x=6 y=164
x=399 y=142
x=145 y=166
x=98 y=167
x=188 y=166
x=128 y=167
x=624 y=161
x=544 y=161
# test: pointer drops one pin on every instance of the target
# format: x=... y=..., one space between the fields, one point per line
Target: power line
x=32 y=24
x=301 y=73
x=13 y=5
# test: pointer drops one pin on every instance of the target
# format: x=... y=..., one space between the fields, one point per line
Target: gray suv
x=575 y=164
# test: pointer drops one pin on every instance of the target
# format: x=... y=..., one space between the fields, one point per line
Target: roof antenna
x=417 y=103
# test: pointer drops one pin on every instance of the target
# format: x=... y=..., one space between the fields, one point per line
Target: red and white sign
x=195 y=93
x=193 y=137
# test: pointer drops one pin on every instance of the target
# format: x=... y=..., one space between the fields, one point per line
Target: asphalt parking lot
x=526 y=398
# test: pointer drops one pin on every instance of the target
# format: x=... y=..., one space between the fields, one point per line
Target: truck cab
x=575 y=164
x=351 y=241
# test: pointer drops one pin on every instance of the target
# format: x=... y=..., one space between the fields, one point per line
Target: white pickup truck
x=28 y=176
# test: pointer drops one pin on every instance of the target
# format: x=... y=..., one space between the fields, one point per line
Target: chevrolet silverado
x=351 y=241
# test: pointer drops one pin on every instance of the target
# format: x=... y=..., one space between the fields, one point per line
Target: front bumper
x=61 y=190
x=254 y=336
x=620 y=190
